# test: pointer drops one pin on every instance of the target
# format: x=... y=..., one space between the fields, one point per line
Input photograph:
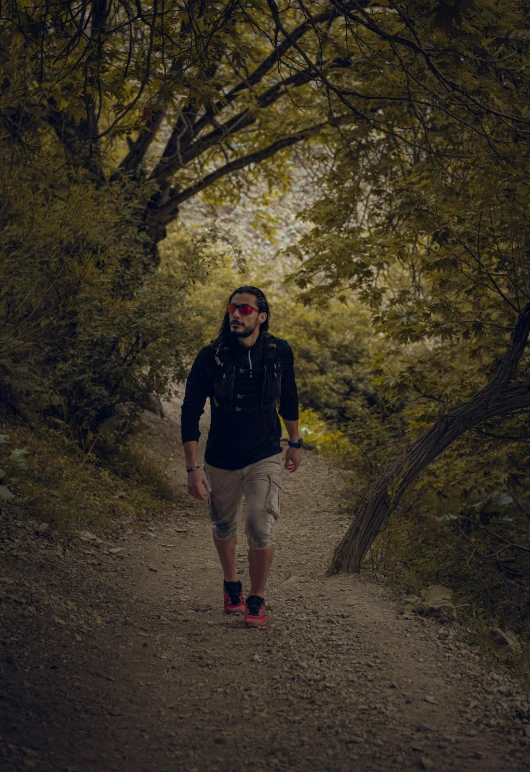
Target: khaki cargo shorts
x=260 y=483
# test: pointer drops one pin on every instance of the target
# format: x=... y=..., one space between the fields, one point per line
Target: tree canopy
x=187 y=94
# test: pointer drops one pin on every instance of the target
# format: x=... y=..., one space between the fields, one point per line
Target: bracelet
x=192 y=468
x=297 y=444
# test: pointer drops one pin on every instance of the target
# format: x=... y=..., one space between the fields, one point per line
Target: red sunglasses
x=244 y=308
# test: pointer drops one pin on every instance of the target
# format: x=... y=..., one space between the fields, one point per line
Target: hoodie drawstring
x=250 y=363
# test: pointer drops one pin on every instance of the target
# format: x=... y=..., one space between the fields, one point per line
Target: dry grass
x=71 y=490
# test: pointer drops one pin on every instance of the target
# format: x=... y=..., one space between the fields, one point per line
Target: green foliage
x=86 y=336
x=105 y=133
x=319 y=434
x=331 y=345
x=473 y=547
x=186 y=97
x=424 y=217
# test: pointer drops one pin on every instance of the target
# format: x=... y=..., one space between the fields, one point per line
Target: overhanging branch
x=169 y=210
x=180 y=150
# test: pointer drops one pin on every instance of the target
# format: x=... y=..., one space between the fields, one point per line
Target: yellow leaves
x=76 y=111
x=236 y=59
x=316 y=432
x=435 y=600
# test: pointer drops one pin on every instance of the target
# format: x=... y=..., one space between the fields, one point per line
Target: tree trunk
x=499 y=397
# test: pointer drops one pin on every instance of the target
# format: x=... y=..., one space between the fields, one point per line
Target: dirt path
x=130 y=664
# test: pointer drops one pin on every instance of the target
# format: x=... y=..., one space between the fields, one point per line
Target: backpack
x=225 y=376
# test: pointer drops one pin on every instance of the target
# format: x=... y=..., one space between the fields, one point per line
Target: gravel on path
x=117 y=656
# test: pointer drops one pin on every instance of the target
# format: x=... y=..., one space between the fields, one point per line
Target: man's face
x=243 y=326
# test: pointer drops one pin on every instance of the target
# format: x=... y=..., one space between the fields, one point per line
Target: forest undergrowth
x=52 y=482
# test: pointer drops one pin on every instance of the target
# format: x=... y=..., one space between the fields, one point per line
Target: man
x=246 y=373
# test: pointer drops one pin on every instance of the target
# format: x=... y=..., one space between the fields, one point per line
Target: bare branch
x=169 y=211
x=496 y=536
x=181 y=149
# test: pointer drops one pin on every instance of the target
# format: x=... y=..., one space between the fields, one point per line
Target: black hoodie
x=237 y=439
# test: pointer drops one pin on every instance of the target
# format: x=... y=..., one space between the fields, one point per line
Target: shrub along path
x=117 y=656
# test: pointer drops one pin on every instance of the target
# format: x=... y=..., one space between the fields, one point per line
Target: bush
x=465 y=526
x=87 y=332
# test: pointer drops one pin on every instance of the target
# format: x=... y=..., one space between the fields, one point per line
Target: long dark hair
x=263 y=306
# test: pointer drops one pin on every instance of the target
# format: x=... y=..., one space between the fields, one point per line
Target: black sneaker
x=233 y=598
x=255 y=611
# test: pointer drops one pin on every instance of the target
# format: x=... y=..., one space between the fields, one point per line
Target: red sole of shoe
x=235 y=610
x=260 y=622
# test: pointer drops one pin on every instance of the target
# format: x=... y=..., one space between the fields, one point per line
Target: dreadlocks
x=263 y=306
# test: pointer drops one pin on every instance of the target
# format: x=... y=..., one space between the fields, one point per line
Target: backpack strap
x=271 y=389
x=224 y=376
x=270 y=351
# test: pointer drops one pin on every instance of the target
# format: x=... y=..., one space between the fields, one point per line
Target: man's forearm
x=190 y=451
x=292 y=430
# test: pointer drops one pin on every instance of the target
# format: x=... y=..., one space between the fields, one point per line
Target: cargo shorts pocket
x=216 y=513
x=273 y=497
x=209 y=502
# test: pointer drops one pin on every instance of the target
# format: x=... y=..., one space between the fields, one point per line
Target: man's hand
x=293 y=457
x=196 y=481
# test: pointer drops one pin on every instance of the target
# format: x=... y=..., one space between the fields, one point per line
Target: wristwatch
x=295 y=444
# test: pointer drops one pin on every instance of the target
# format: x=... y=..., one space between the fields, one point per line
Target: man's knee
x=224 y=531
x=259 y=531
x=260 y=546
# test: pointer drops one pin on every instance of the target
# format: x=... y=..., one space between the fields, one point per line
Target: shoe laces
x=254 y=603
x=234 y=591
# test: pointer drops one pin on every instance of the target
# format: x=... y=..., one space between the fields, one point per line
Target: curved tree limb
x=498 y=397
x=142 y=143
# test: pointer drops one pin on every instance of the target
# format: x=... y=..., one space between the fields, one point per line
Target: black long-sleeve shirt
x=237 y=439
